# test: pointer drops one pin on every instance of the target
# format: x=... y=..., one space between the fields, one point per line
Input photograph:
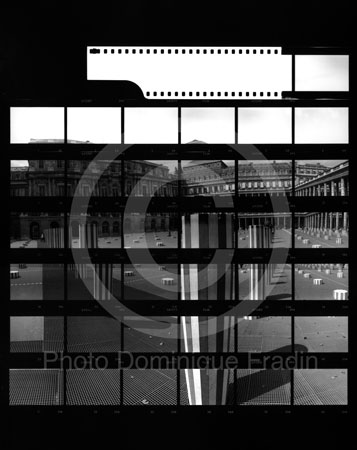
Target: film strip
x=180 y=385
x=178 y=72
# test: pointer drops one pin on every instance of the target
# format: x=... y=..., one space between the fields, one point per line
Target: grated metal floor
x=263 y=387
x=93 y=387
x=264 y=334
x=136 y=341
x=93 y=334
x=320 y=387
x=150 y=387
x=36 y=387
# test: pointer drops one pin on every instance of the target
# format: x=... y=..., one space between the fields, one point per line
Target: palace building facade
x=145 y=178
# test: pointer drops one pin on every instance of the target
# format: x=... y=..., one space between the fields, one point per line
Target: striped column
x=54 y=237
x=207 y=282
x=213 y=281
x=270 y=268
x=200 y=334
x=88 y=235
x=257 y=239
x=88 y=238
x=103 y=281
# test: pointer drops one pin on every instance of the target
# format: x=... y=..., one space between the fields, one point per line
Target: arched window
x=105 y=228
x=34 y=230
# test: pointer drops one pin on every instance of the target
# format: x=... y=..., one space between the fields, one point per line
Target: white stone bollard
x=167 y=281
x=340 y=294
x=327 y=271
x=317 y=281
x=128 y=273
x=306 y=241
x=14 y=274
x=340 y=275
x=307 y=275
x=339 y=241
x=316 y=246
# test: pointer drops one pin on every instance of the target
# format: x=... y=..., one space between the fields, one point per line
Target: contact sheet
x=189 y=246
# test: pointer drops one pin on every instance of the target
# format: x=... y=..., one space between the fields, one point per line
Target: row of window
x=86 y=190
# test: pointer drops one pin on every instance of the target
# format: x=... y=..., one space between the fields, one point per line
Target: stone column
x=326 y=221
x=102 y=273
x=207 y=387
x=337 y=220
x=257 y=271
x=344 y=221
x=103 y=281
x=54 y=237
x=207 y=282
x=330 y=220
x=332 y=188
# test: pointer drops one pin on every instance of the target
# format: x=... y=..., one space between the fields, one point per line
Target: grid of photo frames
x=146 y=235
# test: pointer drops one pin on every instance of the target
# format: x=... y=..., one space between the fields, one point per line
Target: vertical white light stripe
x=183 y=294
x=195 y=334
x=193 y=281
x=197 y=386
x=190 y=400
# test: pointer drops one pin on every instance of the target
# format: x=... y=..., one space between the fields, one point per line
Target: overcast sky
x=96 y=125
x=321 y=72
x=210 y=125
x=160 y=125
x=151 y=125
x=321 y=125
x=36 y=123
x=264 y=125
